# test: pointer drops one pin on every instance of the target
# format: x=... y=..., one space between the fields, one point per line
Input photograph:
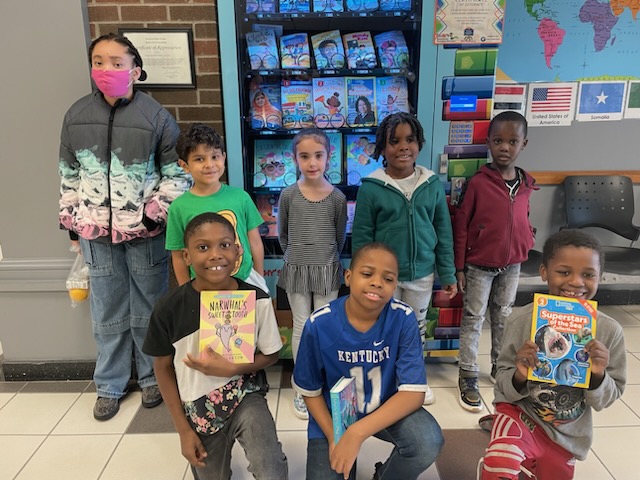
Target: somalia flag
x=601 y=101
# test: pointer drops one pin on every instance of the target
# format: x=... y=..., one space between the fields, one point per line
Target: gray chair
x=607 y=202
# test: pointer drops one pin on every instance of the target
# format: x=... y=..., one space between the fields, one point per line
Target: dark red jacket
x=491 y=229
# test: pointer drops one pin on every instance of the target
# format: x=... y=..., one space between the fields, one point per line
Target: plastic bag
x=78 y=281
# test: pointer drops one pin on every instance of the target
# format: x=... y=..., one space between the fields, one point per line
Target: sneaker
x=299 y=407
x=494 y=369
x=105 y=408
x=151 y=396
x=486 y=422
x=429 y=397
x=469 y=394
x=376 y=474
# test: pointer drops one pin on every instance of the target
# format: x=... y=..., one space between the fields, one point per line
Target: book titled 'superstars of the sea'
x=561 y=327
x=228 y=323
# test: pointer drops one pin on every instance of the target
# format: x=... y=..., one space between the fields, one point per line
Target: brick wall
x=203 y=104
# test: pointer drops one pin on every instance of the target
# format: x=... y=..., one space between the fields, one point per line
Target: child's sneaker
x=299 y=407
x=469 y=394
x=429 y=397
x=494 y=369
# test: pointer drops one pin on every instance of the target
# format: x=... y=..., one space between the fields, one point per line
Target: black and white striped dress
x=312 y=235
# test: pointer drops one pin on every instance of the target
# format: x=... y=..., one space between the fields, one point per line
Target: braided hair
x=125 y=42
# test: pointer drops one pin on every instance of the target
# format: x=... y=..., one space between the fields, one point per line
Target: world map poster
x=570 y=40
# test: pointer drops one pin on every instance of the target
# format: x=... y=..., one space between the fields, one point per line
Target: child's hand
x=451 y=290
x=211 y=363
x=599 y=354
x=192 y=448
x=345 y=453
x=526 y=358
x=462 y=281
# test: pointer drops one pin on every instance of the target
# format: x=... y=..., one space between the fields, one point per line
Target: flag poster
x=509 y=96
x=551 y=104
x=632 y=109
x=601 y=101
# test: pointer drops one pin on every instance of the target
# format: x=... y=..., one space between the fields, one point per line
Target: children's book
x=294 y=51
x=328 y=50
x=395 y=5
x=344 y=406
x=273 y=163
x=361 y=101
x=262 y=49
x=359 y=50
x=297 y=104
x=360 y=160
x=268 y=207
x=263 y=27
x=361 y=5
x=261 y=6
x=351 y=214
x=228 y=323
x=391 y=95
x=392 y=49
x=457 y=184
x=561 y=327
x=479 y=85
x=334 y=171
x=328 y=6
x=329 y=102
x=264 y=104
x=295 y=6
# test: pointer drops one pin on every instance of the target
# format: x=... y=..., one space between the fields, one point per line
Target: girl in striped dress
x=312 y=219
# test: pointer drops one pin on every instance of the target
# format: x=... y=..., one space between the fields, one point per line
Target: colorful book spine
x=449 y=316
x=344 y=406
x=482 y=111
x=443 y=344
x=561 y=327
x=228 y=324
x=480 y=86
x=464 y=167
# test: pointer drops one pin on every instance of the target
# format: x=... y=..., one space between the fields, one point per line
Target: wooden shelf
x=556 y=178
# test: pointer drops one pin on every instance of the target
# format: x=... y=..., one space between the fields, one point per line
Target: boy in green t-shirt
x=202 y=154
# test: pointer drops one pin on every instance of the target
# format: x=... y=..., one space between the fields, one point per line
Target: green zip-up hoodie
x=419 y=230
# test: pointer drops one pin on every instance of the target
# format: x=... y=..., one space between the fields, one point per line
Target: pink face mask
x=112 y=83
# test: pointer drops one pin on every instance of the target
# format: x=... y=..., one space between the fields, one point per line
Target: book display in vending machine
x=341 y=66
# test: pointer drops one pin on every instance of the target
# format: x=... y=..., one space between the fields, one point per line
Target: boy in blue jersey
x=374 y=338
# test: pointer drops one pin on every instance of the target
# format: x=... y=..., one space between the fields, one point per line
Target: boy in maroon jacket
x=492 y=236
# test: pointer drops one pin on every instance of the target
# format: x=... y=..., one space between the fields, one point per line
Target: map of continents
x=570 y=40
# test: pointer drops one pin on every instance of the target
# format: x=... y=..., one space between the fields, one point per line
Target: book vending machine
x=339 y=65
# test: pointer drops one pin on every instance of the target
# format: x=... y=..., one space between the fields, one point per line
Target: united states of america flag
x=551 y=99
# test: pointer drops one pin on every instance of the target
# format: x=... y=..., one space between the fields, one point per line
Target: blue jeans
x=417 y=441
x=252 y=425
x=126 y=279
x=495 y=290
x=417 y=293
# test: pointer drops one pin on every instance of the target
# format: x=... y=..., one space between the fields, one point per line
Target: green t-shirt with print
x=232 y=203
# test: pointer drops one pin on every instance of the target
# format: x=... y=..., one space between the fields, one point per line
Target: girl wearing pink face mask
x=119 y=172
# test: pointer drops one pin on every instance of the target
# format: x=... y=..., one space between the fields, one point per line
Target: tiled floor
x=47 y=431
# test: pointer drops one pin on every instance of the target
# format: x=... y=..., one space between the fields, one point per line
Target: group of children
x=402 y=236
